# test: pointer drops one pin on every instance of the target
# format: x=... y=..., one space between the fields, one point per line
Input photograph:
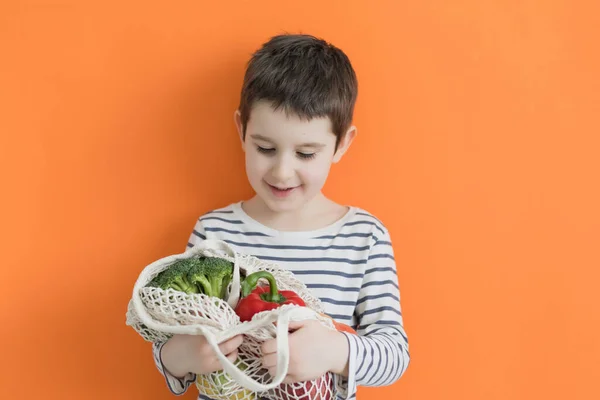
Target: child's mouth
x=282 y=192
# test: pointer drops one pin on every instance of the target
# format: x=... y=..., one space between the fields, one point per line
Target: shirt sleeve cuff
x=177 y=386
x=346 y=387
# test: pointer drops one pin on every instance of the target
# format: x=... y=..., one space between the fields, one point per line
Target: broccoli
x=207 y=275
x=176 y=277
x=212 y=276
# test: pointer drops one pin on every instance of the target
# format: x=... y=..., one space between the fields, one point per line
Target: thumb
x=295 y=325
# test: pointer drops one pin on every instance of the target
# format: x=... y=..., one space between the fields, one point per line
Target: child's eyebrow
x=313 y=144
x=260 y=137
x=266 y=139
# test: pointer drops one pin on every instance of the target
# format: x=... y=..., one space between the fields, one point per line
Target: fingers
x=232 y=344
x=269 y=360
x=289 y=379
x=269 y=346
x=232 y=356
x=230 y=349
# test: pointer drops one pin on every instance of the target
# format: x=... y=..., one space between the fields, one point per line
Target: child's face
x=288 y=159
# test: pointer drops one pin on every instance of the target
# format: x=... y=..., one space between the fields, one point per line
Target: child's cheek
x=315 y=174
x=256 y=165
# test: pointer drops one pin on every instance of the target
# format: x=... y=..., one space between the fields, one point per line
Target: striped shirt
x=349 y=265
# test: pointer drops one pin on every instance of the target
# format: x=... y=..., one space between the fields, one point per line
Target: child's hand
x=314 y=350
x=191 y=353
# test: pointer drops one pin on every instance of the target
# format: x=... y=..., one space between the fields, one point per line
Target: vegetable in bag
x=263 y=298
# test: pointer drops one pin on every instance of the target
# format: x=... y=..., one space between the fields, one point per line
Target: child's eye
x=264 y=150
x=305 y=156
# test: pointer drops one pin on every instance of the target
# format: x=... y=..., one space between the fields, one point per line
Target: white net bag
x=157 y=314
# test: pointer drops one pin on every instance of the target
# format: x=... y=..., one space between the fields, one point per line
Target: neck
x=305 y=218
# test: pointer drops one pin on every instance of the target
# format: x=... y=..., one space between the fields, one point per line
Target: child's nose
x=283 y=170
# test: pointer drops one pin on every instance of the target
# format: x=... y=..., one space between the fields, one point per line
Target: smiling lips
x=282 y=192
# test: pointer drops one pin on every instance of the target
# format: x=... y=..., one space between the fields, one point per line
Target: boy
x=294 y=121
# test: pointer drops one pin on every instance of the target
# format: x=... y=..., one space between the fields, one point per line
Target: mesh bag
x=157 y=314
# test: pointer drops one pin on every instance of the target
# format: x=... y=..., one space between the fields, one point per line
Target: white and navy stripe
x=349 y=265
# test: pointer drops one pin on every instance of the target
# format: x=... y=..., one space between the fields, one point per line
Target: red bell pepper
x=263 y=298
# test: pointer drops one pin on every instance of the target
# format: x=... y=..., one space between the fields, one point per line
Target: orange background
x=478 y=147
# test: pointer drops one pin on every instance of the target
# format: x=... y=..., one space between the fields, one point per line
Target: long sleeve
x=178 y=386
x=379 y=353
x=350 y=266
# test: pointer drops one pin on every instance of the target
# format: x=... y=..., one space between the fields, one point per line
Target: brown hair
x=302 y=75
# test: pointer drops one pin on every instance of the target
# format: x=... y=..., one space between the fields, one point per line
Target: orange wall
x=478 y=146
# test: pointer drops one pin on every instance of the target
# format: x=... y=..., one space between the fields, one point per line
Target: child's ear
x=345 y=143
x=237 y=119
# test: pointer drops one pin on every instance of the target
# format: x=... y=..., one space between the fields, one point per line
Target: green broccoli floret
x=176 y=277
x=212 y=275
x=208 y=275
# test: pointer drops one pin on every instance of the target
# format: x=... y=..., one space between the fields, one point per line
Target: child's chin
x=283 y=205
